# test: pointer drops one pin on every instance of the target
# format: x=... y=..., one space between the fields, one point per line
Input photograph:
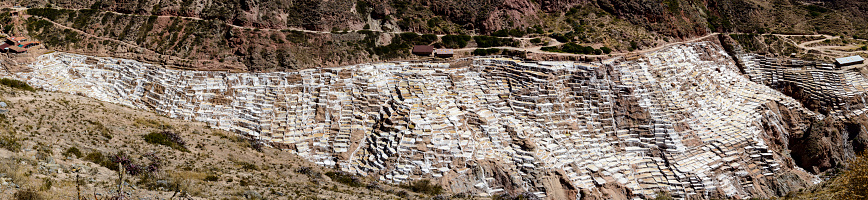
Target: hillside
x=50 y=140
x=265 y=36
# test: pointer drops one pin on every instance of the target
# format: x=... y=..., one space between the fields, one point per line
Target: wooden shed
x=423 y=50
x=444 y=53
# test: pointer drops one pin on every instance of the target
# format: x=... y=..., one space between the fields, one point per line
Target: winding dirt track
x=829 y=50
x=533 y=49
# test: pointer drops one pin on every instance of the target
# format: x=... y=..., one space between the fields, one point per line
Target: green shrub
x=423 y=186
x=16 y=84
x=488 y=41
x=27 y=194
x=247 y=166
x=345 y=178
x=10 y=142
x=536 y=40
x=485 y=52
x=100 y=159
x=72 y=151
x=501 y=33
x=166 y=138
x=576 y=49
x=455 y=41
x=211 y=178
x=606 y=50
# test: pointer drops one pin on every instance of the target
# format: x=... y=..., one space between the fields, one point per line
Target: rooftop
x=849 y=59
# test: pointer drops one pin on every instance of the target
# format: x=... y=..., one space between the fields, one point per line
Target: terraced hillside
x=681 y=119
x=64 y=146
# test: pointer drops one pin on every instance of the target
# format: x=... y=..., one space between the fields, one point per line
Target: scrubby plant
x=519 y=196
x=27 y=194
x=424 y=186
x=455 y=41
x=72 y=151
x=489 y=41
x=9 y=142
x=485 y=52
x=345 y=178
x=16 y=84
x=167 y=138
x=211 y=178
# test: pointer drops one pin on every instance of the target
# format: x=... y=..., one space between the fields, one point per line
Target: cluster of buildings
x=830 y=84
x=17 y=45
x=680 y=120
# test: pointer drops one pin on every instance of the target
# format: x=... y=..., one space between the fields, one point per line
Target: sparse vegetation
x=72 y=151
x=489 y=41
x=167 y=138
x=345 y=178
x=27 y=194
x=10 y=142
x=455 y=41
x=574 y=48
x=16 y=84
x=485 y=52
x=424 y=187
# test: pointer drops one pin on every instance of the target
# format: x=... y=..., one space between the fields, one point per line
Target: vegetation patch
x=72 y=151
x=483 y=41
x=9 y=142
x=577 y=49
x=16 y=84
x=454 y=41
x=167 y=138
x=211 y=178
x=424 y=187
x=485 y=52
x=345 y=178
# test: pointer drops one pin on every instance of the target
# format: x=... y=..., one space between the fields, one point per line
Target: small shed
x=850 y=60
x=17 y=49
x=28 y=44
x=444 y=53
x=15 y=40
x=423 y=50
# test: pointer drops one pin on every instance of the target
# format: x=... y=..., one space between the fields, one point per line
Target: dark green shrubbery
x=424 y=186
x=509 y=32
x=577 y=49
x=345 y=178
x=211 y=178
x=100 y=159
x=9 y=142
x=50 y=13
x=167 y=138
x=489 y=41
x=72 y=151
x=16 y=84
x=455 y=41
x=485 y=52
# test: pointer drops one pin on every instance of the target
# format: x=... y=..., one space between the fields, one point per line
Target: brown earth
x=39 y=129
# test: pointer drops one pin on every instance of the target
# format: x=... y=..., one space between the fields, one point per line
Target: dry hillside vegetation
x=50 y=140
x=257 y=36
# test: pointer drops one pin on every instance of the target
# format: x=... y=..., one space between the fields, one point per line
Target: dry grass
x=56 y=133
